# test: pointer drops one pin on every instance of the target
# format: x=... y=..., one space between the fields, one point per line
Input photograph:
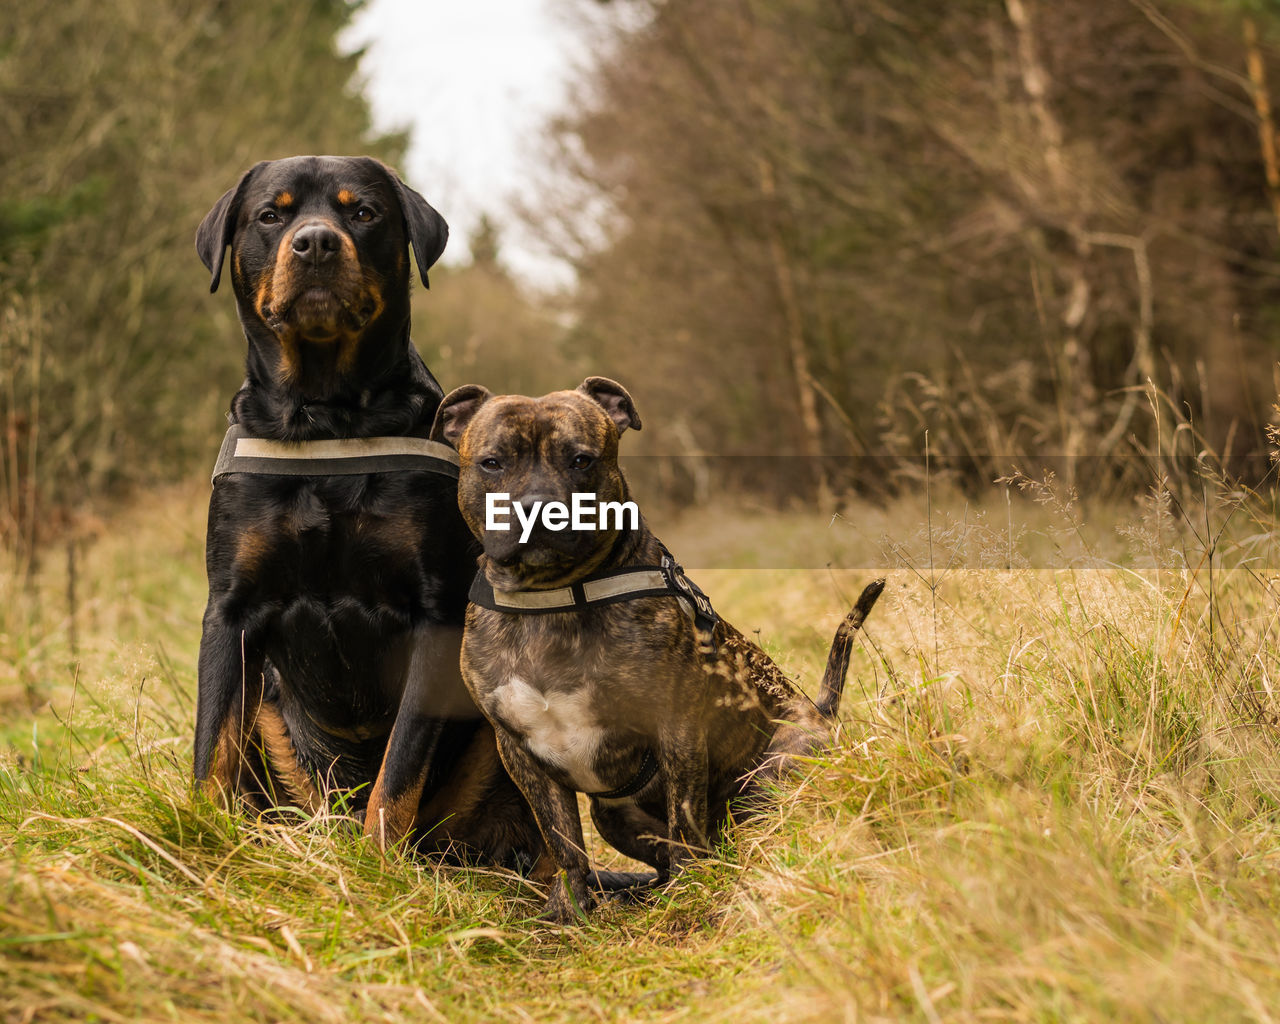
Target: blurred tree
x=830 y=224
x=479 y=327
x=121 y=122
x=484 y=245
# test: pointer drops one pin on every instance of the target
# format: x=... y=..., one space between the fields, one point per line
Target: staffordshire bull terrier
x=602 y=668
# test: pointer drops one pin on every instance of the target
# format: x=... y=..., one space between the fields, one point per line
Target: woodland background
x=799 y=227
x=1010 y=234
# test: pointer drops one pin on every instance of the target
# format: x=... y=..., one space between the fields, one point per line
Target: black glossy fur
x=329 y=657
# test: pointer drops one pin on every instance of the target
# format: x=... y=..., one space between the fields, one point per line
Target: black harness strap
x=643 y=776
x=704 y=616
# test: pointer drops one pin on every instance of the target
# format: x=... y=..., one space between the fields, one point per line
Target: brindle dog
x=580 y=697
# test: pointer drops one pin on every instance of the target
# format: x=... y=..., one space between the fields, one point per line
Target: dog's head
x=539 y=452
x=319 y=254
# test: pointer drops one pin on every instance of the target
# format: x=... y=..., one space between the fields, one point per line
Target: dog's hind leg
x=629 y=830
x=277 y=773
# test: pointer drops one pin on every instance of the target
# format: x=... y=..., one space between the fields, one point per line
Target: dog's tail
x=828 y=702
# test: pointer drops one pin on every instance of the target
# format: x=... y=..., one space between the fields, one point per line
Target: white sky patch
x=474 y=82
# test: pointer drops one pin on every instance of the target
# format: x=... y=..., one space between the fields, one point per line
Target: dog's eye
x=491 y=464
x=364 y=215
x=268 y=217
x=582 y=460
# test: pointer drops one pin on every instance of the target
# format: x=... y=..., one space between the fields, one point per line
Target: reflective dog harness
x=667 y=579
x=349 y=456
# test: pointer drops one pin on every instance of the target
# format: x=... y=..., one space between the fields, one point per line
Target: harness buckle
x=704 y=616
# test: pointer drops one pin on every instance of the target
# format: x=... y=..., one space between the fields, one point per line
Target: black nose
x=316 y=244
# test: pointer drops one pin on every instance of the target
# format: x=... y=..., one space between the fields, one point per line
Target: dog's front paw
x=570 y=901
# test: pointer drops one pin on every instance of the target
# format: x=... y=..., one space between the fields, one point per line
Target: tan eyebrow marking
x=346 y=197
x=284 y=199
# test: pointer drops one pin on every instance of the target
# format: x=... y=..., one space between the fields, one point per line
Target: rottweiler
x=338 y=563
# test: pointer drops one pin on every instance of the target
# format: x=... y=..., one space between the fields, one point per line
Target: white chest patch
x=558 y=728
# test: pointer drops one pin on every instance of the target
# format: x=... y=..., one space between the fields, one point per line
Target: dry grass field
x=1055 y=796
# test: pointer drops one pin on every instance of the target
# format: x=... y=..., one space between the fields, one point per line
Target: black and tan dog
x=601 y=668
x=338 y=563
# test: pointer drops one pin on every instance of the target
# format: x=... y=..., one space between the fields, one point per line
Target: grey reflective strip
x=342 y=457
x=593 y=590
x=562 y=598
x=346 y=448
x=616 y=586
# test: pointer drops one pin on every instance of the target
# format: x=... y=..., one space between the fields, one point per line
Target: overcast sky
x=474 y=81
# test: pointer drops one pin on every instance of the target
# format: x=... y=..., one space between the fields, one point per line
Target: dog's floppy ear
x=456 y=411
x=219 y=226
x=427 y=230
x=613 y=398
